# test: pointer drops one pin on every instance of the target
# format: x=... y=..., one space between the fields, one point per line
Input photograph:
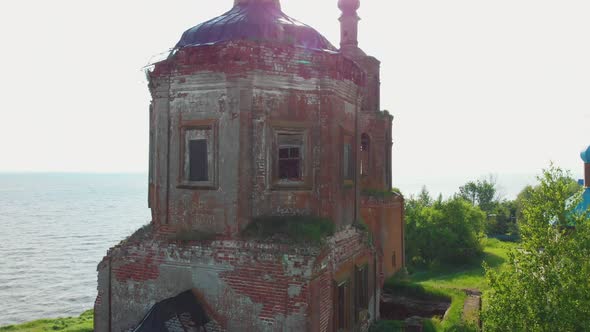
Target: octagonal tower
x=263 y=138
x=247 y=120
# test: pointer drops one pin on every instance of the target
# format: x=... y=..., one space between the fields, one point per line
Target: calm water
x=54 y=229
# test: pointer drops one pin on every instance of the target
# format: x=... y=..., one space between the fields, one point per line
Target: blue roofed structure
x=585 y=203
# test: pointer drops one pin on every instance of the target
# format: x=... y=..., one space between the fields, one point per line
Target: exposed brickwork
x=384 y=216
x=326 y=301
x=236 y=57
x=261 y=284
x=239 y=96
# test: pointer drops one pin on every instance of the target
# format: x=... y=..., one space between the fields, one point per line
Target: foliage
x=501 y=220
x=290 y=228
x=500 y=214
x=572 y=187
x=544 y=286
x=481 y=193
x=442 y=232
x=83 y=323
x=449 y=282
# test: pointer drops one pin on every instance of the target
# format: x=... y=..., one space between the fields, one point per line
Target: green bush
x=442 y=232
x=544 y=285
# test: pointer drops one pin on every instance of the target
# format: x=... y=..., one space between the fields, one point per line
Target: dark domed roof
x=255 y=21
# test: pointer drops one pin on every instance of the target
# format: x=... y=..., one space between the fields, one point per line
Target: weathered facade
x=256 y=115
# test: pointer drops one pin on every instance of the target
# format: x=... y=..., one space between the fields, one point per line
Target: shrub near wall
x=443 y=232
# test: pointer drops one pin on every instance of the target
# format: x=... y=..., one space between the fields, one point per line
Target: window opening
x=362 y=289
x=365 y=147
x=290 y=152
x=348 y=162
x=198 y=157
x=343 y=307
x=198 y=160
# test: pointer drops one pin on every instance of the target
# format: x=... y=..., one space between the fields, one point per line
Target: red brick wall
x=277 y=280
x=385 y=220
x=250 y=88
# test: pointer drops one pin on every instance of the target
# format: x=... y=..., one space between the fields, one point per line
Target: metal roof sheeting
x=258 y=21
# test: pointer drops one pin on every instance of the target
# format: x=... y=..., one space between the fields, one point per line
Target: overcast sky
x=476 y=87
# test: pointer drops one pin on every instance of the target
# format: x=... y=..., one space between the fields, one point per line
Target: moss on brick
x=188 y=235
x=380 y=193
x=295 y=229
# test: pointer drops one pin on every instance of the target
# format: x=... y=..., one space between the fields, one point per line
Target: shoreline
x=82 y=323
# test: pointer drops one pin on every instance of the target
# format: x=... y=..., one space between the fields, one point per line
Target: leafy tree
x=544 y=285
x=482 y=193
x=442 y=232
x=424 y=197
x=500 y=214
x=572 y=187
x=502 y=219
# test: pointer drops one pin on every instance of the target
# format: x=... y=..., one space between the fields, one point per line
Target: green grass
x=298 y=229
x=83 y=323
x=387 y=326
x=449 y=282
x=466 y=276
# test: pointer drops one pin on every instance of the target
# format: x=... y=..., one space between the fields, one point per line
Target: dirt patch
x=401 y=307
x=472 y=306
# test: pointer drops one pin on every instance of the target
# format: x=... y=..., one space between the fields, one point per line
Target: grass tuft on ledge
x=292 y=229
x=380 y=194
x=83 y=323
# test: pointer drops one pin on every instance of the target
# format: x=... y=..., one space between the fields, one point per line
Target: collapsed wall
x=242 y=285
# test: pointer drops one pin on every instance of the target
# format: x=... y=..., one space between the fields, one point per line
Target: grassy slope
x=71 y=324
x=470 y=276
x=449 y=282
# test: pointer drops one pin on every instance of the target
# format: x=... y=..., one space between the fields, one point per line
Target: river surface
x=54 y=230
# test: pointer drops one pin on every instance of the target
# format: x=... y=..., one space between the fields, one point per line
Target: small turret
x=586 y=158
x=349 y=22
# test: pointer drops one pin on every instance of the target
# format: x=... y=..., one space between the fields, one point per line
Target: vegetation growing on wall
x=290 y=229
x=380 y=193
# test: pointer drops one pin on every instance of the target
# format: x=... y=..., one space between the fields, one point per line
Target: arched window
x=365 y=153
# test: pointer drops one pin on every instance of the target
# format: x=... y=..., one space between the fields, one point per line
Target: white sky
x=476 y=87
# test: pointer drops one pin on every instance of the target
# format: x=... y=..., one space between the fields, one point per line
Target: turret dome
x=586 y=155
x=256 y=20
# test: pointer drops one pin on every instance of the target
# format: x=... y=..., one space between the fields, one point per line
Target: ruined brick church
x=259 y=125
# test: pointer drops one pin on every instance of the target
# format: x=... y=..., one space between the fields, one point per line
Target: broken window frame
x=348 y=159
x=303 y=182
x=196 y=131
x=342 y=306
x=365 y=152
x=361 y=290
